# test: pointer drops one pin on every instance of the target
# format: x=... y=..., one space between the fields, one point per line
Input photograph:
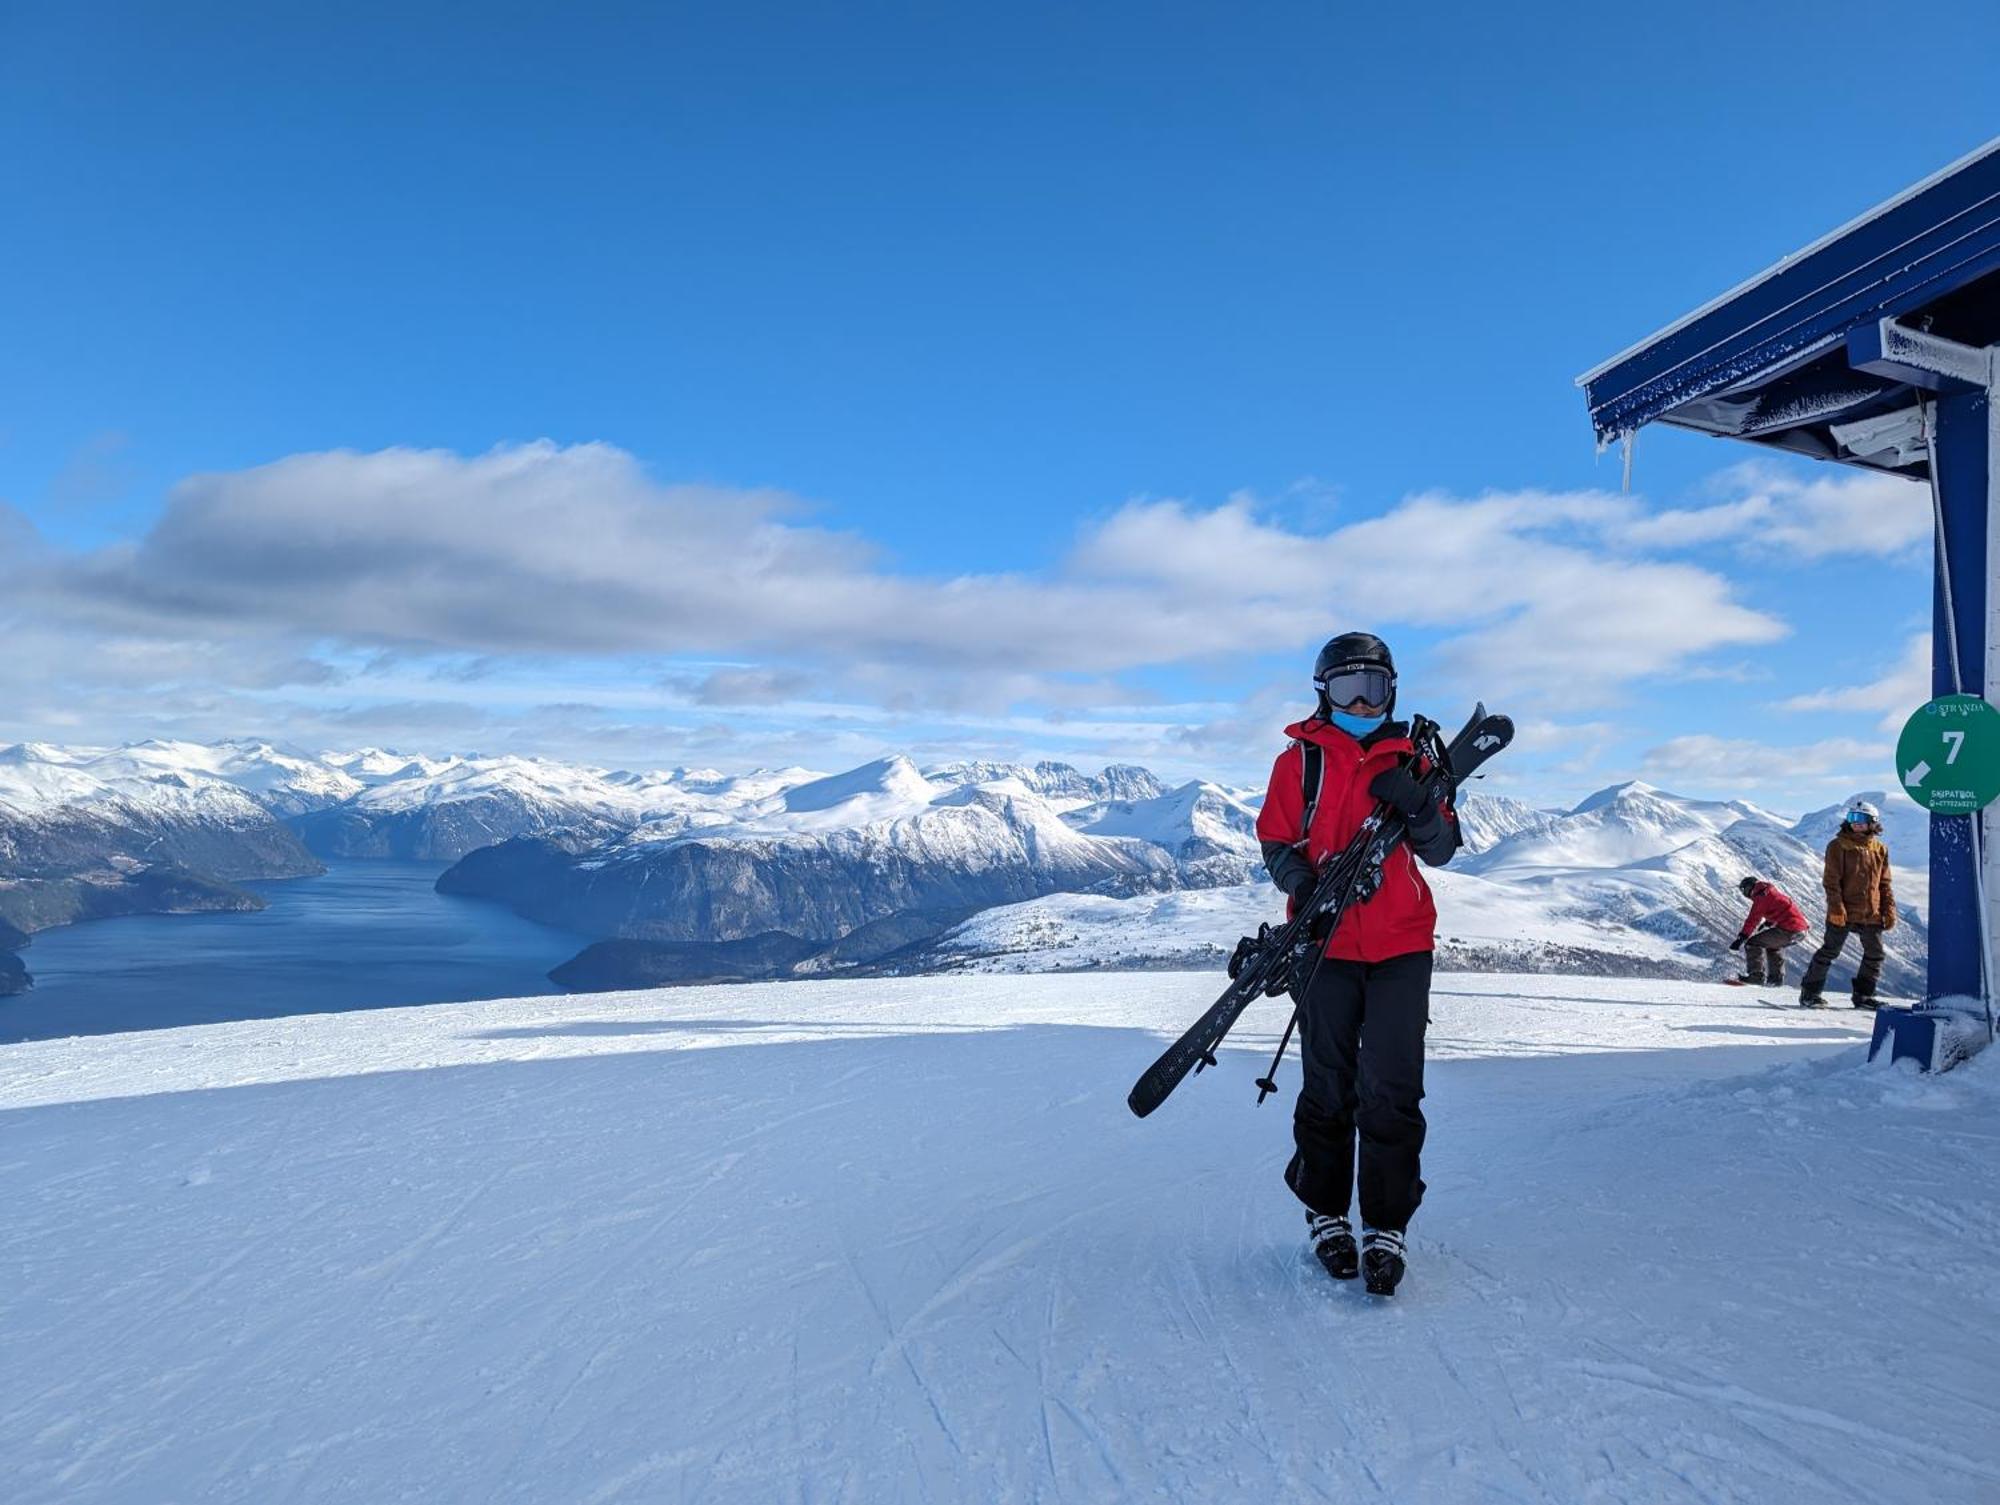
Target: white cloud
x=538 y=549
x=1539 y=609
x=1774 y=514
x=328 y=592
x=541 y=549
x=1894 y=696
x=1747 y=763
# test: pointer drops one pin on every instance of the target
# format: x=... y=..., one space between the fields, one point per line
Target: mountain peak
x=32 y=752
x=1614 y=794
x=894 y=776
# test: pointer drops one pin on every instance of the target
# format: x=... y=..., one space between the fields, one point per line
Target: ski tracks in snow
x=949 y=1266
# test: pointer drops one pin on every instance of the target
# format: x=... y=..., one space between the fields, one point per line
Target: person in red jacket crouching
x=1775 y=922
x=1367 y=1001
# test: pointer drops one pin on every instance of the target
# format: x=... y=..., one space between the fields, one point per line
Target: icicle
x=1628 y=443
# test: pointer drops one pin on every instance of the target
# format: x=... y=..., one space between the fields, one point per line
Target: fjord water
x=362 y=935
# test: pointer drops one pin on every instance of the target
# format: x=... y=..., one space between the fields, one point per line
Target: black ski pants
x=1764 y=953
x=1829 y=951
x=1361 y=1036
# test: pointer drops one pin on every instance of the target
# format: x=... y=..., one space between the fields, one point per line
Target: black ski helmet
x=1351 y=650
x=1747 y=887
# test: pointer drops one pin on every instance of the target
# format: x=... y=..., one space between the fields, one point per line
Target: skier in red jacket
x=1775 y=922
x=1368 y=1001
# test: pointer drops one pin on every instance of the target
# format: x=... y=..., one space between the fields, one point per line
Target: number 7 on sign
x=1957 y=740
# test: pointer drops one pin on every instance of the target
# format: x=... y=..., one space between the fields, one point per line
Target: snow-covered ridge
x=1632 y=880
x=171 y=780
x=839 y=855
x=1633 y=876
x=157 y=827
x=347 y=799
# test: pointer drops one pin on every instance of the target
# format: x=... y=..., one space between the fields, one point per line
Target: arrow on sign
x=1917 y=775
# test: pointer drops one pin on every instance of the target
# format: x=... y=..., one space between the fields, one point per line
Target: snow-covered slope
x=1482 y=926
x=1634 y=881
x=443 y=809
x=967 y=848
x=149 y=781
x=1211 y=833
x=375 y=802
x=1623 y=824
x=281 y=781
x=875 y=791
x=1485 y=820
x=70 y=811
x=1064 y=787
x=900 y=1240
x=370 y=803
x=1082 y=932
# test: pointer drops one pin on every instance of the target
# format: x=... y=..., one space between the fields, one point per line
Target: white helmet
x=1861 y=813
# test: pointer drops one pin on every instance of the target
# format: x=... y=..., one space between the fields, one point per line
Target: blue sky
x=792 y=383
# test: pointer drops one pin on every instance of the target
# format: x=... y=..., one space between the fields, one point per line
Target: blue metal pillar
x=1956 y=1018
x=1962 y=447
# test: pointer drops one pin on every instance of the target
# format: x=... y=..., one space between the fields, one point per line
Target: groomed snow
x=900 y=1239
x=1071 y=932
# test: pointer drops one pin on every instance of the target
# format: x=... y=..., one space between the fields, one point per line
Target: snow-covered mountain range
x=153 y=829
x=688 y=854
x=62 y=809
x=1631 y=881
x=690 y=873
x=827 y=860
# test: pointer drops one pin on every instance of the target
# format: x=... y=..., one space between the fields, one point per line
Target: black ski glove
x=1737 y=944
x=1402 y=789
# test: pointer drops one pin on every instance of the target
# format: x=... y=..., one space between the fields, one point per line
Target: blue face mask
x=1356 y=727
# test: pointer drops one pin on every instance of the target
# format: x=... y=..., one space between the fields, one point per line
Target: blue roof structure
x=1768 y=361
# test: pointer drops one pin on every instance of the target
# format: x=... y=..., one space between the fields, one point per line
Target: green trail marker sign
x=1948 y=758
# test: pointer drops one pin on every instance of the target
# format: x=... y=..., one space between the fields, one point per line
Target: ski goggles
x=1366 y=683
x=1860 y=818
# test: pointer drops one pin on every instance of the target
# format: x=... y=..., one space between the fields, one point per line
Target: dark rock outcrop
x=611 y=965
x=32 y=904
x=608 y=966
x=70 y=841
x=514 y=870
x=984 y=849
x=891 y=936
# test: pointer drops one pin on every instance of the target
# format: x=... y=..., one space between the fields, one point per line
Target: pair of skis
x=1288 y=953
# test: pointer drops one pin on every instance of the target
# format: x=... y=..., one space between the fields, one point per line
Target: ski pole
x=1268 y=1083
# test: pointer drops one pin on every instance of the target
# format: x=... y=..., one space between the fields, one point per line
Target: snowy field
x=900 y=1240
x=1071 y=932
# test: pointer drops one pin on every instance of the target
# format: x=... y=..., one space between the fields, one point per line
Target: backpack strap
x=1312 y=777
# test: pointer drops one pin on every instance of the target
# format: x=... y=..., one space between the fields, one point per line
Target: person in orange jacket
x=1363 y=1015
x=1860 y=901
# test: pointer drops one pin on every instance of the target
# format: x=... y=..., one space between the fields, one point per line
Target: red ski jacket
x=1402 y=917
x=1771 y=905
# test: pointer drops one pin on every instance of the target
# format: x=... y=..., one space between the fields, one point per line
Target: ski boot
x=1811 y=1001
x=1333 y=1244
x=1381 y=1260
x=1867 y=1001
